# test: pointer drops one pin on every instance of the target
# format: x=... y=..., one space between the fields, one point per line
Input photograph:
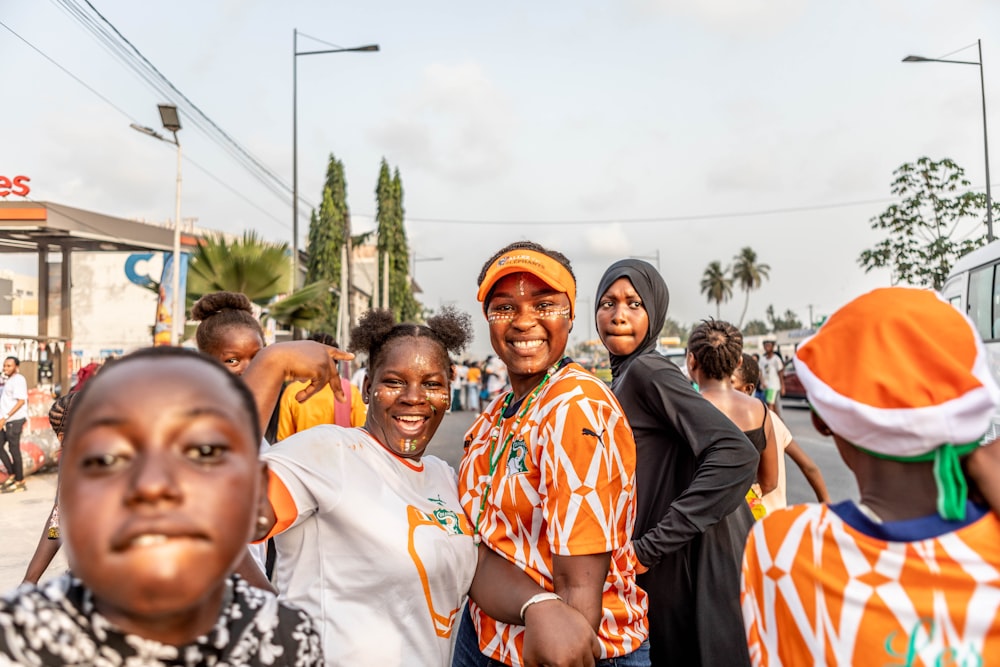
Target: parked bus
x=973 y=286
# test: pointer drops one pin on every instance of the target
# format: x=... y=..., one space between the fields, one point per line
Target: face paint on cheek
x=390 y=393
x=437 y=397
x=494 y=318
x=555 y=314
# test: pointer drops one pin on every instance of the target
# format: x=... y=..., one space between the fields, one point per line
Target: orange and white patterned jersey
x=564 y=484
x=827 y=586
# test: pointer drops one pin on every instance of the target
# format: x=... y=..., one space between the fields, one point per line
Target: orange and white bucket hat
x=901 y=374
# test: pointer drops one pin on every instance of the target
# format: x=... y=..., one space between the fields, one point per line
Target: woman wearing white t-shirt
x=371 y=538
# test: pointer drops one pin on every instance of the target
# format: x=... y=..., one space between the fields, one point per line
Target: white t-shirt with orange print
x=375 y=548
x=565 y=485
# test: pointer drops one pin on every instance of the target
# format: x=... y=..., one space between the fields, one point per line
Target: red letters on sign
x=14 y=186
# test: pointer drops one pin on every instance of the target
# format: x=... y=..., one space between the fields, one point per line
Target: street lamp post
x=986 y=143
x=295 y=139
x=172 y=122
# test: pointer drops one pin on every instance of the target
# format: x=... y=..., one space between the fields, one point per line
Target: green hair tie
x=952 y=488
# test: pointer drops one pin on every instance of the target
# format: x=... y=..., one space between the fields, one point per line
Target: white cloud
x=738 y=16
x=608 y=242
x=456 y=124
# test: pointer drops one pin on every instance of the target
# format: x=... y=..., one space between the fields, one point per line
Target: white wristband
x=536 y=598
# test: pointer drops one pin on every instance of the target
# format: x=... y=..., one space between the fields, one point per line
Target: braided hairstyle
x=377 y=328
x=717 y=346
x=59 y=413
x=218 y=312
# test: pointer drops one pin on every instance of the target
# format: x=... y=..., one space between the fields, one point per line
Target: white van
x=973 y=286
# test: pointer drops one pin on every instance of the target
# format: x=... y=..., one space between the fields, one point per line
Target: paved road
x=24 y=516
x=839 y=481
x=24 y=513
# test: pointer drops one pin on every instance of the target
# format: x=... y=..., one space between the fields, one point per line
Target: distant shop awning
x=34 y=226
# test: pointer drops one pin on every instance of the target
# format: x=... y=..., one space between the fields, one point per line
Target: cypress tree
x=392 y=240
x=328 y=231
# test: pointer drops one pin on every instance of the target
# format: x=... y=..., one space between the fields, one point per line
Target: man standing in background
x=771 y=378
x=13 y=414
x=473 y=385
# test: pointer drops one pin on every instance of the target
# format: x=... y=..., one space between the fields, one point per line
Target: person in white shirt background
x=13 y=414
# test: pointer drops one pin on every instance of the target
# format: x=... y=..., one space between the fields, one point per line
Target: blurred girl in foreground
x=160 y=489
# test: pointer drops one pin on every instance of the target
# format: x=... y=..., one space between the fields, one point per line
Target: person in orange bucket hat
x=908 y=574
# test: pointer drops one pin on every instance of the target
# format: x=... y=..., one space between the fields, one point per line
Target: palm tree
x=259 y=269
x=716 y=285
x=749 y=274
x=249 y=265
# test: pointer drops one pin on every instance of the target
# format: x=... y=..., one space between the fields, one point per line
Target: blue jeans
x=467 y=650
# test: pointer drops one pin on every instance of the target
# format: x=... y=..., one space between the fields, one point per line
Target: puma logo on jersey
x=599 y=436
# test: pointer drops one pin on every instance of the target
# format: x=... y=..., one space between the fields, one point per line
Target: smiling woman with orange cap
x=548 y=480
x=900 y=380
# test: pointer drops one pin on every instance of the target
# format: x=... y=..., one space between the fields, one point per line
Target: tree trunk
x=746 y=302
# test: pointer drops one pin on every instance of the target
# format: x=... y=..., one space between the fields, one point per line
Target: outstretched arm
x=809 y=469
x=303 y=360
x=767 y=469
x=44 y=552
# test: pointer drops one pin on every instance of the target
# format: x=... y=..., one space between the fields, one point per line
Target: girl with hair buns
x=228 y=329
x=693 y=468
x=371 y=537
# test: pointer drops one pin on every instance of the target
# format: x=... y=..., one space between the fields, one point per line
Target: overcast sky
x=602 y=128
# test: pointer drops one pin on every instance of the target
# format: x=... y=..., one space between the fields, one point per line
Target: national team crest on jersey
x=516 y=459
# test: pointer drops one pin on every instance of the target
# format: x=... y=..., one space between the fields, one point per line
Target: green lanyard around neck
x=495 y=432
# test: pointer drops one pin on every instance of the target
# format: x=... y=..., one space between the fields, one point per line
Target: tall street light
x=172 y=123
x=295 y=139
x=986 y=143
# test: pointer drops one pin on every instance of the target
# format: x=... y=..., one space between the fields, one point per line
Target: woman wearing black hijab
x=693 y=469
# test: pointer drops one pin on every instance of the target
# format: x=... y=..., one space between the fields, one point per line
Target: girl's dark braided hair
x=717 y=346
x=59 y=412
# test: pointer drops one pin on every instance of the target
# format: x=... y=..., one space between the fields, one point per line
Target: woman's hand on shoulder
x=557 y=635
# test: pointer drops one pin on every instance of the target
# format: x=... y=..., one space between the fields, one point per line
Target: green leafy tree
x=302 y=309
x=749 y=274
x=937 y=221
x=785 y=322
x=755 y=328
x=329 y=229
x=716 y=285
x=392 y=241
x=259 y=269
x=250 y=265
